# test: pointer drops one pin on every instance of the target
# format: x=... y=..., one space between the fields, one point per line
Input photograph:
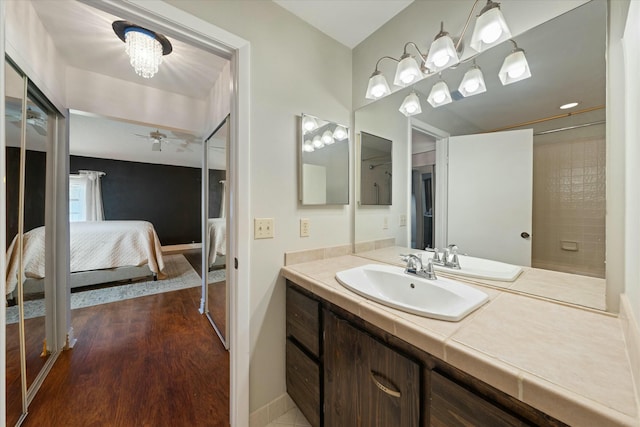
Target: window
x=77 y=198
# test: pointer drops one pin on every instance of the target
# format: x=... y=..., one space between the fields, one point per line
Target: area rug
x=180 y=275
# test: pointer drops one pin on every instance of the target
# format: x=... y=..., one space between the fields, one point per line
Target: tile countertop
x=565 y=361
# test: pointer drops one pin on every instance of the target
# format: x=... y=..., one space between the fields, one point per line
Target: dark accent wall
x=34 y=196
x=167 y=196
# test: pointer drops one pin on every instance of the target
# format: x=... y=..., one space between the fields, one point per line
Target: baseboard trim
x=176 y=249
x=271 y=411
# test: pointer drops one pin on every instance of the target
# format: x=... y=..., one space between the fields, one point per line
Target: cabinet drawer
x=303 y=320
x=303 y=383
x=453 y=405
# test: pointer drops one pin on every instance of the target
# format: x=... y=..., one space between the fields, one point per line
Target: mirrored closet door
x=30 y=133
x=215 y=263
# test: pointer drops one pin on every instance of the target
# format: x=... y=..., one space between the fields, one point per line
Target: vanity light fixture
x=473 y=82
x=491 y=28
x=442 y=53
x=439 y=94
x=340 y=133
x=327 y=137
x=407 y=71
x=411 y=105
x=144 y=47
x=309 y=124
x=378 y=86
x=515 y=67
x=307 y=147
x=569 y=105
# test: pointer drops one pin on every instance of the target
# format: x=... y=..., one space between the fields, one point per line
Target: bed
x=101 y=252
x=217 y=232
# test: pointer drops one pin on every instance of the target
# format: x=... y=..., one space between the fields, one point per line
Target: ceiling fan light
x=340 y=133
x=491 y=28
x=439 y=94
x=378 y=86
x=411 y=105
x=327 y=137
x=514 y=68
x=442 y=53
x=407 y=71
x=472 y=83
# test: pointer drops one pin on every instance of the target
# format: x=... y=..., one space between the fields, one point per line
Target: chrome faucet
x=446 y=258
x=415 y=266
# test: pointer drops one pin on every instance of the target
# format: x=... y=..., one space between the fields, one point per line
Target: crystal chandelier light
x=145 y=48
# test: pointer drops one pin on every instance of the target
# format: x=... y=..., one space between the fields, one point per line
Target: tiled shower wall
x=569 y=203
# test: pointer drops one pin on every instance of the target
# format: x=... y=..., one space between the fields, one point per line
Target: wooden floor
x=149 y=361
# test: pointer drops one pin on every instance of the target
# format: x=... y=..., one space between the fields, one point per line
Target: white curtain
x=85 y=196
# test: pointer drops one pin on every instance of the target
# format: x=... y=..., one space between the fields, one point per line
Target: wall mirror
x=567 y=183
x=214 y=273
x=324 y=162
x=376 y=167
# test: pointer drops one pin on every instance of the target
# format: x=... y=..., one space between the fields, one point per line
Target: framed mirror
x=324 y=162
x=566 y=231
x=376 y=167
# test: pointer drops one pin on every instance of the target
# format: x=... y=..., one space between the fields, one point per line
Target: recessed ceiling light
x=569 y=105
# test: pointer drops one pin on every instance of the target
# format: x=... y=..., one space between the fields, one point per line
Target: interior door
x=490 y=195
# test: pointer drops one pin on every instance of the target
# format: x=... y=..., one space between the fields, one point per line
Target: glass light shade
x=378 y=86
x=308 y=124
x=442 y=54
x=472 y=83
x=490 y=30
x=407 y=72
x=144 y=51
x=327 y=137
x=340 y=133
x=307 y=147
x=317 y=142
x=514 y=68
x=411 y=105
x=439 y=94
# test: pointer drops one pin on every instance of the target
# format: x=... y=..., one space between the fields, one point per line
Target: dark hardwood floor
x=149 y=361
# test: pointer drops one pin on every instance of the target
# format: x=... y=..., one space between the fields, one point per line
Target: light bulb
x=491 y=33
x=317 y=142
x=472 y=85
x=440 y=58
x=438 y=97
x=309 y=124
x=327 y=137
x=411 y=108
x=340 y=133
x=516 y=71
x=407 y=77
x=378 y=90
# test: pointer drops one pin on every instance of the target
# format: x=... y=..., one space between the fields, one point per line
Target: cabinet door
x=367 y=383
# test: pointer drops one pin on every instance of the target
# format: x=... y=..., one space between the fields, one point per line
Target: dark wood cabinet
x=366 y=383
x=345 y=372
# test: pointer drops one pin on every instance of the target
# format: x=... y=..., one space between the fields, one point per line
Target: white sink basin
x=443 y=298
x=480 y=268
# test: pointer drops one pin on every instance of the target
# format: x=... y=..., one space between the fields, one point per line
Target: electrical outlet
x=304 y=227
x=263 y=228
x=385 y=222
x=403 y=220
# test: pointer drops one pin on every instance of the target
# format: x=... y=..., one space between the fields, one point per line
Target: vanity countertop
x=568 y=362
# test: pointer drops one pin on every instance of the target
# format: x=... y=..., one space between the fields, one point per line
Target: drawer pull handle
x=382 y=387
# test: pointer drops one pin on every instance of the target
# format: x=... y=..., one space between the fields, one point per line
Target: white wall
x=29 y=45
x=631 y=43
x=219 y=101
x=289 y=75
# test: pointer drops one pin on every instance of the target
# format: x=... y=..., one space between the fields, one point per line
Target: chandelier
x=145 y=48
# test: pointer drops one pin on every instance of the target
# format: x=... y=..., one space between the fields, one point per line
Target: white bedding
x=217 y=238
x=94 y=246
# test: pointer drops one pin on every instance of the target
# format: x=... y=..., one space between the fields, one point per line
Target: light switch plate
x=385 y=222
x=304 y=227
x=263 y=228
x=403 y=220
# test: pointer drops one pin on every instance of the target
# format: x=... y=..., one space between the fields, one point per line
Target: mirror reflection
x=376 y=170
x=324 y=162
x=216 y=239
x=566 y=195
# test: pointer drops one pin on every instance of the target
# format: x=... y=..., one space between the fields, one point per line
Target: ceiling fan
x=35 y=119
x=157 y=138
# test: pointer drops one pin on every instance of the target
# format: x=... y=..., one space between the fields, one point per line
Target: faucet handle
x=429 y=272
x=455 y=263
x=437 y=256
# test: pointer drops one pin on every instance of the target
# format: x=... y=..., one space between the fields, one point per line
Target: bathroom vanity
x=351 y=361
